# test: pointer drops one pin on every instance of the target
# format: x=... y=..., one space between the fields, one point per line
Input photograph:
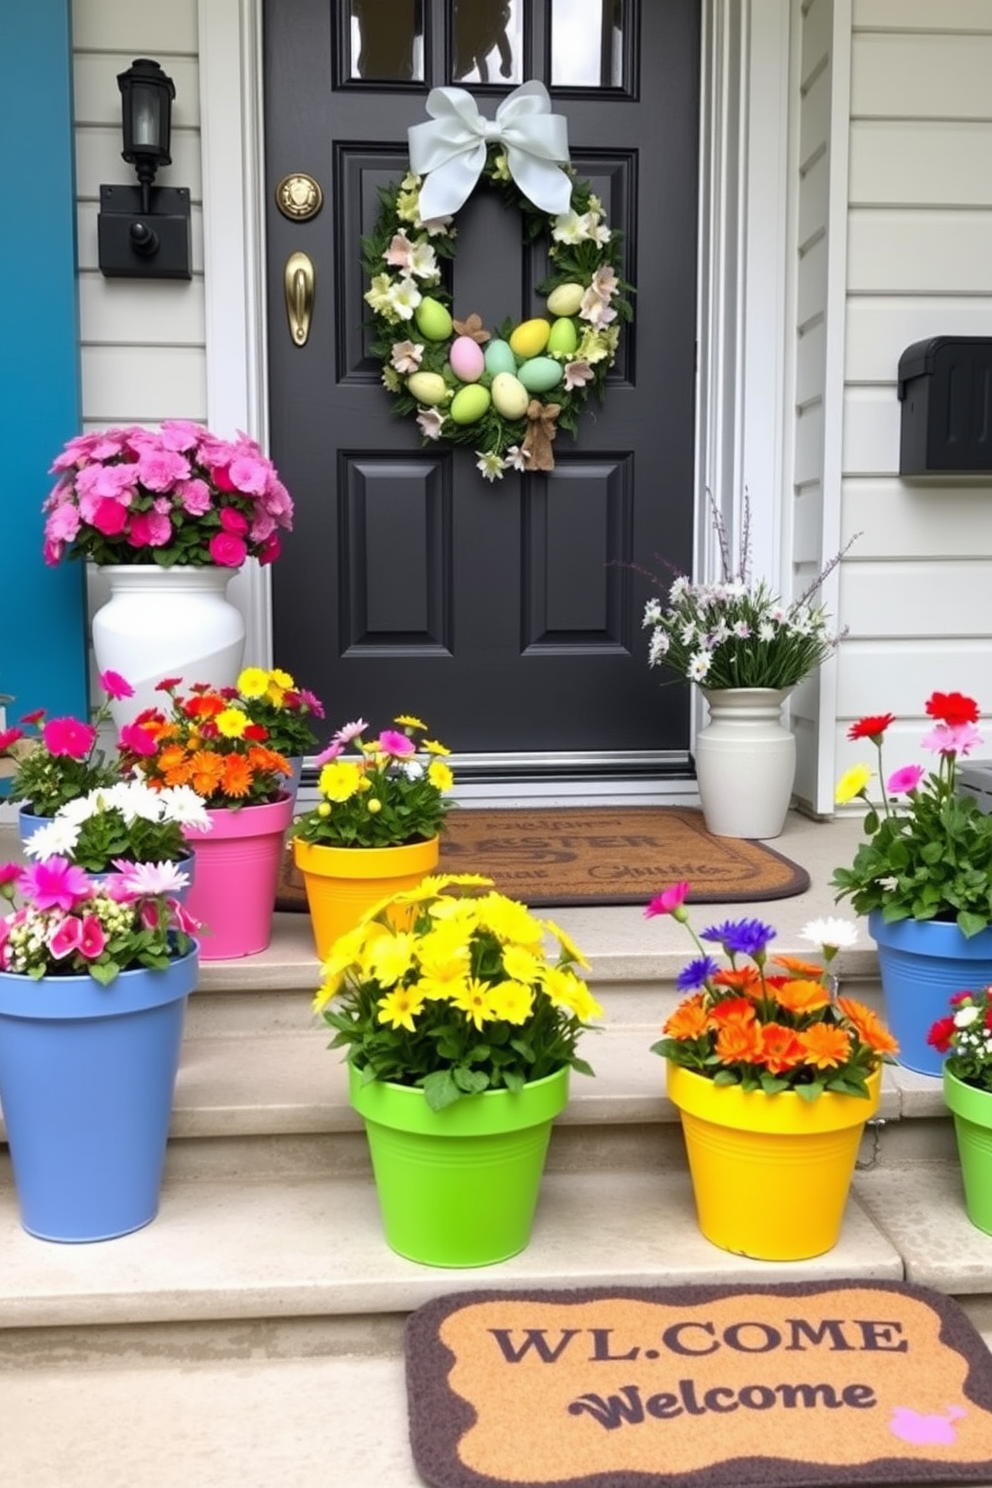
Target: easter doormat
x=791 y=1386
x=549 y=856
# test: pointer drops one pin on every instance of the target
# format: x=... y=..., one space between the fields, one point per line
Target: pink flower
x=150 y=878
x=182 y=918
x=65 y=937
x=595 y=309
x=399 y=254
x=269 y=550
x=406 y=355
x=181 y=435
x=109 y=517
x=957 y=740
x=10 y=873
x=69 y=737
x=227 y=550
x=55 y=883
x=149 y=530
x=63 y=524
x=901 y=782
x=669 y=901
x=194 y=497
x=159 y=469
x=231 y=520
x=350 y=731
x=430 y=421
x=92 y=938
x=330 y=753
x=605 y=282
x=577 y=374
x=250 y=474
x=116 y=686
x=10 y=736
x=136 y=740
x=400 y=746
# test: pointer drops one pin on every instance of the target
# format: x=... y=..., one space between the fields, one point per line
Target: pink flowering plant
x=60 y=759
x=929 y=850
x=168 y=496
x=66 y=924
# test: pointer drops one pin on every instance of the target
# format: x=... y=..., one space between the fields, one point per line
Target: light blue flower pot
x=922 y=964
x=87 y=1075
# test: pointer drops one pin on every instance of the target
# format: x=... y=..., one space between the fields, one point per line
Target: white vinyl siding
x=915 y=588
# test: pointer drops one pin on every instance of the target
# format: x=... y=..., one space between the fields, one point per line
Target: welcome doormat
x=549 y=856
x=791 y=1386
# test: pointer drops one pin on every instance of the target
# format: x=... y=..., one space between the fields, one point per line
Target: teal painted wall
x=43 y=636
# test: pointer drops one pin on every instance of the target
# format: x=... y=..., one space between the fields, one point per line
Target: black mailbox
x=945 y=387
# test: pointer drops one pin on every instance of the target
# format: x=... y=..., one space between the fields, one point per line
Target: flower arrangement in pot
x=746 y=648
x=962 y=1038
x=461 y=1013
x=376 y=828
x=205 y=740
x=168 y=515
x=923 y=876
x=60 y=759
x=94 y=979
x=774 y=1077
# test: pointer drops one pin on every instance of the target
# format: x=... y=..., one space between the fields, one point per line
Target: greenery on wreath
x=510 y=423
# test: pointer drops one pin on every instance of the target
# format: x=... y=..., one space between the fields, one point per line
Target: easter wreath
x=506 y=393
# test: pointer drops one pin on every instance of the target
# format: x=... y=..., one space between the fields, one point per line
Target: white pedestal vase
x=745 y=762
x=167 y=622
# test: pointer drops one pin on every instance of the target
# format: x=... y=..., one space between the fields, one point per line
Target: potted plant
x=124 y=824
x=206 y=741
x=746 y=649
x=376 y=829
x=168 y=515
x=57 y=760
x=774 y=1077
x=924 y=875
x=93 y=986
x=963 y=1040
x=285 y=711
x=461 y=1028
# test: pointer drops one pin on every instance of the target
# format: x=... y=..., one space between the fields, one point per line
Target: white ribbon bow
x=450 y=149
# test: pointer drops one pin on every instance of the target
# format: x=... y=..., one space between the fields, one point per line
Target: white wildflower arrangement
x=129 y=821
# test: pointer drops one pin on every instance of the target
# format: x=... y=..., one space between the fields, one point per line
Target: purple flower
x=741 y=937
x=697 y=973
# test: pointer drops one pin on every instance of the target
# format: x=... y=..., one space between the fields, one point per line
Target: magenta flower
x=65 y=937
x=55 y=883
x=10 y=872
x=400 y=746
x=231 y=520
x=901 y=782
x=227 y=550
x=68 y=736
x=92 y=938
x=109 y=516
x=269 y=550
x=10 y=736
x=136 y=740
x=669 y=901
x=116 y=686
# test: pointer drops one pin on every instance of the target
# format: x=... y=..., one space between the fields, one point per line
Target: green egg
x=564 y=337
x=428 y=387
x=499 y=358
x=540 y=374
x=433 y=319
x=510 y=397
x=469 y=404
x=566 y=299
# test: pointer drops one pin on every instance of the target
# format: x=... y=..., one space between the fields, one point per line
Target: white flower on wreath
x=391 y=379
x=490 y=463
x=516 y=458
x=605 y=282
x=404 y=297
x=595 y=309
x=377 y=294
x=406 y=356
x=577 y=374
x=418 y=259
x=431 y=421
x=571 y=227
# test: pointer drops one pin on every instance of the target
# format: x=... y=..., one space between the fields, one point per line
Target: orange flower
x=744 y=978
x=826 y=1046
x=172 y=757
x=780 y=1048
x=732 y=1010
x=266 y=761
x=739 y=1043
x=206 y=706
x=802 y=996
x=869 y=1025
x=237 y=775
x=206 y=771
x=799 y=967
x=689 y=1020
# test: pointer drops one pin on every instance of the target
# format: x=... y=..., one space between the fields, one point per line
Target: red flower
x=953 y=708
x=872 y=727
x=939 y=1037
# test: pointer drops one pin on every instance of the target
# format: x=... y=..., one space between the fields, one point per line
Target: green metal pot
x=972 y=1112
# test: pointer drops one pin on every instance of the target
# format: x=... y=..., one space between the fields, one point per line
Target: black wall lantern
x=144 y=230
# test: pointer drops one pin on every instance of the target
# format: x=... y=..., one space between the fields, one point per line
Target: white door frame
x=744 y=361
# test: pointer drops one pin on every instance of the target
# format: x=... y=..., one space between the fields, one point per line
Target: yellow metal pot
x=343 y=882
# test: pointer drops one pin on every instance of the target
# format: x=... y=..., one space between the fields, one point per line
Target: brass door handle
x=298 y=283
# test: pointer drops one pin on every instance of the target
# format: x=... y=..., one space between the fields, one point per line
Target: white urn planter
x=745 y=762
x=167 y=622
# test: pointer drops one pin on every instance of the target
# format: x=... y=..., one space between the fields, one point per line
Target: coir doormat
x=791 y=1386
x=547 y=856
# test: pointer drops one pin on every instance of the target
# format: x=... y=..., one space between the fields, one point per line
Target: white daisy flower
x=836 y=933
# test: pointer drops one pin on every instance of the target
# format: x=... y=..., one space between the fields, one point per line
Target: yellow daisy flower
x=512 y=1002
x=474 y=999
x=406 y=720
x=339 y=780
x=568 y=945
x=440 y=776
x=434 y=746
x=509 y=920
x=853 y=784
x=567 y=991
x=521 y=964
x=253 y=682
x=400 y=1007
x=391 y=957
x=232 y=723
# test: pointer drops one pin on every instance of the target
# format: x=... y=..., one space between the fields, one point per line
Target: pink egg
x=467 y=360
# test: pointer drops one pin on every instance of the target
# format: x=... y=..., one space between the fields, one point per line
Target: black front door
x=506 y=615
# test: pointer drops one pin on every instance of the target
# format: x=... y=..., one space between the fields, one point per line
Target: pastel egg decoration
x=433 y=319
x=467 y=360
x=530 y=338
x=469 y=404
x=540 y=374
x=428 y=387
x=566 y=299
x=499 y=358
x=510 y=397
x=564 y=338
